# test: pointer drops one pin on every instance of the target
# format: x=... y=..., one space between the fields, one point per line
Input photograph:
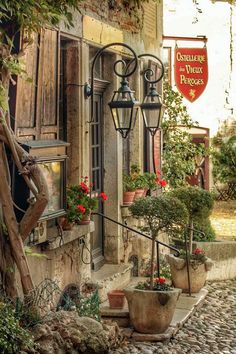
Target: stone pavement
x=211 y=330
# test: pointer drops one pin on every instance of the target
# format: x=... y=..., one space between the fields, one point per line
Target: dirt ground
x=223 y=219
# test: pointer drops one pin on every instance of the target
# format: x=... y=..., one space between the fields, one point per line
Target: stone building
x=52 y=120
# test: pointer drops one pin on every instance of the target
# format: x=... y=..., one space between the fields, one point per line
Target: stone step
x=111 y=277
x=186 y=306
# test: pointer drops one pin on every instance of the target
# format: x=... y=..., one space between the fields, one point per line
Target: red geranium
x=84 y=187
x=81 y=208
x=198 y=251
x=160 y=280
x=162 y=183
x=103 y=196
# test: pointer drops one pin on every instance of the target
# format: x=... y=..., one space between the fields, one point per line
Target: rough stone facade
x=94 y=27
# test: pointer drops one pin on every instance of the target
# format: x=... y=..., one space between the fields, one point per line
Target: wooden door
x=97 y=168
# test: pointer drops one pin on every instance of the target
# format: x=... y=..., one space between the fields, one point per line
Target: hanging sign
x=191 y=71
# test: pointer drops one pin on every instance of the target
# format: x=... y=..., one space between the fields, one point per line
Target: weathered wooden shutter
x=37 y=101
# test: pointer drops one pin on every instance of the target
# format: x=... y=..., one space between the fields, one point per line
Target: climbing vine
x=179 y=153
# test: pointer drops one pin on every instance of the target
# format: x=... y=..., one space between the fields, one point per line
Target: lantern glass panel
x=152 y=111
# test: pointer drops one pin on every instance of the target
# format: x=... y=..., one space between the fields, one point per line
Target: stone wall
x=223 y=253
x=65 y=261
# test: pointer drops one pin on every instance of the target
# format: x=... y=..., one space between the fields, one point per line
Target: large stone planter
x=151 y=311
x=198 y=273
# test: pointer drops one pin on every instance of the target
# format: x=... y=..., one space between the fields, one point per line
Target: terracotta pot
x=128 y=198
x=139 y=193
x=116 y=299
x=85 y=220
x=65 y=224
x=197 y=272
x=151 y=311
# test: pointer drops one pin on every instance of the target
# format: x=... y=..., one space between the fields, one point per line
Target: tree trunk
x=13 y=230
x=36 y=182
x=7 y=267
x=190 y=236
x=152 y=261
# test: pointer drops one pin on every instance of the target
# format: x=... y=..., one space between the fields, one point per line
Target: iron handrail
x=138 y=232
x=177 y=252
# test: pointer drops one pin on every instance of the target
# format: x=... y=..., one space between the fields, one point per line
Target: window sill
x=71 y=235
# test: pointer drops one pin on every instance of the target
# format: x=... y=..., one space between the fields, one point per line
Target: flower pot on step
x=116 y=299
x=151 y=311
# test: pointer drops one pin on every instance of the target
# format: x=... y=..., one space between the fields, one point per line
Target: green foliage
x=156 y=286
x=89 y=306
x=32 y=16
x=160 y=213
x=151 y=180
x=85 y=304
x=197 y=257
x=31 y=253
x=164 y=269
x=27 y=315
x=199 y=202
x=128 y=183
x=224 y=159
x=179 y=153
x=203 y=225
x=13 y=337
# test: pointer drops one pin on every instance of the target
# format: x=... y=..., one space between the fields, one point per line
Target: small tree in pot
x=152 y=304
x=199 y=204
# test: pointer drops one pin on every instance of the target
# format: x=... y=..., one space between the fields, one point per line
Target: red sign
x=191 y=71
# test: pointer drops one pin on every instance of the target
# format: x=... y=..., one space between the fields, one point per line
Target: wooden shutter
x=37 y=102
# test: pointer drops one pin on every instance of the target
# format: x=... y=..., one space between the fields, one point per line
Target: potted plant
x=81 y=202
x=139 y=181
x=199 y=265
x=199 y=204
x=152 y=303
x=154 y=181
x=128 y=189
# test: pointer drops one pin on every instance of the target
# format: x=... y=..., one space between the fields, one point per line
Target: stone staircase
x=111 y=277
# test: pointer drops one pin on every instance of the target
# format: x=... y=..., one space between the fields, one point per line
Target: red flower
x=85 y=188
x=160 y=280
x=162 y=183
x=103 y=196
x=198 y=251
x=81 y=208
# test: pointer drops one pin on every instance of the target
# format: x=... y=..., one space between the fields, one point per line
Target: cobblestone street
x=211 y=330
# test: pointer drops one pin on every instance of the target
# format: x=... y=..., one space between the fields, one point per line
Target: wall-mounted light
x=124 y=109
x=124 y=106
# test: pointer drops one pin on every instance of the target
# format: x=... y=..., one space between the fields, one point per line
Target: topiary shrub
x=13 y=338
x=163 y=213
x=204 y=225
x=199 y=203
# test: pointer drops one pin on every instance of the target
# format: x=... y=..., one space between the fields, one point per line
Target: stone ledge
x=71 y=235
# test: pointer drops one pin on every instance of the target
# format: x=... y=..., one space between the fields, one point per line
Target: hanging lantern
x=152 y=110
x=124 y=109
